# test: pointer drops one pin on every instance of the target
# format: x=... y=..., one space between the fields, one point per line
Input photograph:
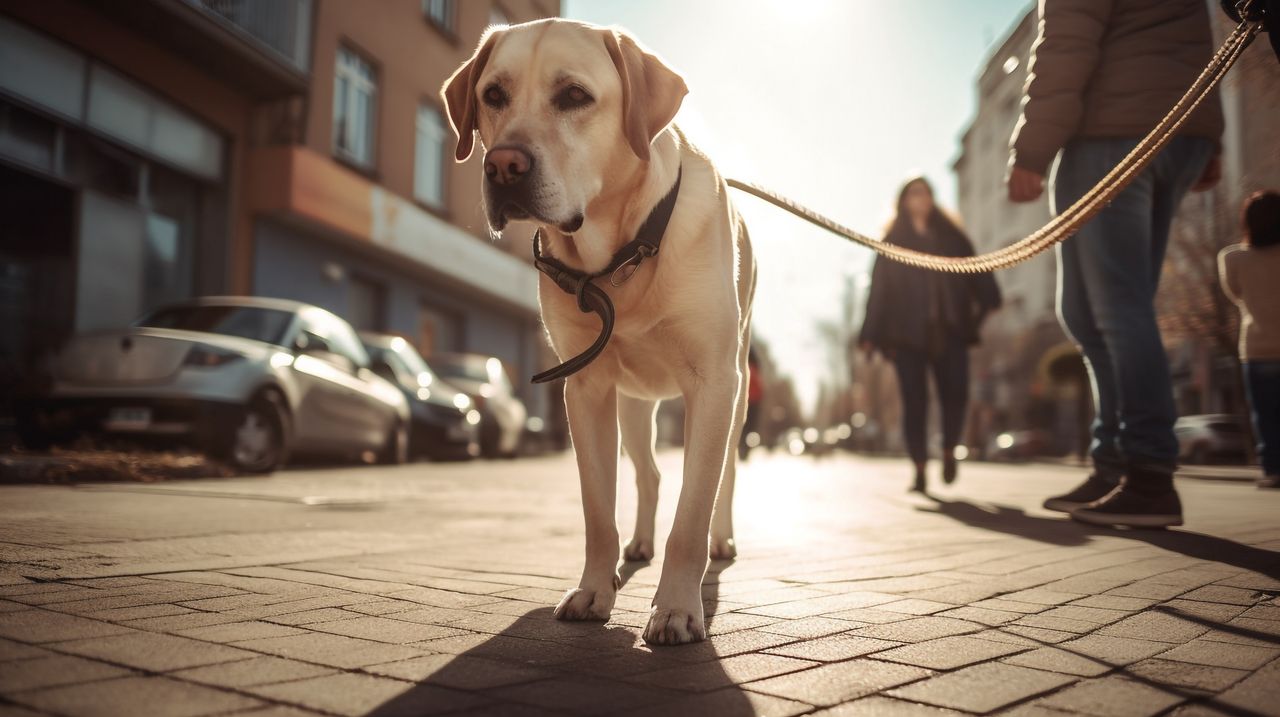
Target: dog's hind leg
x=722 y=543
x=636 y=416
x=593 y=424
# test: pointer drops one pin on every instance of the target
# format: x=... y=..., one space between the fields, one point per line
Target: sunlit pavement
x=427 y=589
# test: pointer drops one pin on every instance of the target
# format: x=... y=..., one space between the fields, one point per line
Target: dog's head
x=560 y=107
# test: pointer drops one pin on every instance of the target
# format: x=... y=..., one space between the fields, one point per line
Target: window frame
x=441 y=205
x=447 y=25
x=348 y=71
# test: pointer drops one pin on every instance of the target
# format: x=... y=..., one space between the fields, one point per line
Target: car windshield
x=413 y=361
x=246 y=322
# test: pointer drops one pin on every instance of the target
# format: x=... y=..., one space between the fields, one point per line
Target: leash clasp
x=643 y=251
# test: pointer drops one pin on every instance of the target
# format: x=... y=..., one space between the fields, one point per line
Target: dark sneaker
x=918 y=485
x=950 y=468
x=1093 y=488
x=1269 y=482
x=1133 y=508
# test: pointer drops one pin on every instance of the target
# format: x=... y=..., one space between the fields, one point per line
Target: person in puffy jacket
x=1102 y=74
x=925 y=322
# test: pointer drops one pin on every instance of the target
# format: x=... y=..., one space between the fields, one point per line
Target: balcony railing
x=283 y=27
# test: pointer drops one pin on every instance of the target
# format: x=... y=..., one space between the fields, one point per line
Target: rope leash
x=1078 y=214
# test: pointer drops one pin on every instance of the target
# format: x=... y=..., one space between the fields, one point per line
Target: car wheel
x=396 y=449
x=258 y=443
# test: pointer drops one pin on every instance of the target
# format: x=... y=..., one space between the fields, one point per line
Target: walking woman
x=925 y=322
x=1248 y=272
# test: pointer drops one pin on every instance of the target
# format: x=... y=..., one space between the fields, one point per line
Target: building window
x=429 y=157
x=441 y=14
x=354 y=99
x=366 y=305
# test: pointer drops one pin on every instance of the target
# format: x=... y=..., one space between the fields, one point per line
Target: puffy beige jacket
x=1111 y=68
x=1248 y=277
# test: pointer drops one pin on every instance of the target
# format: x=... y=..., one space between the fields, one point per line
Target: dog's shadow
x=542 y=666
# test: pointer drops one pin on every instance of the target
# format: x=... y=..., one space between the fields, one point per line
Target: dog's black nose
x=507 y=165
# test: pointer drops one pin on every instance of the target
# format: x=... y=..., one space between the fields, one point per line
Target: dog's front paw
x=723 y=549
x=638 y=550
x=675 y=626
x=585 y=604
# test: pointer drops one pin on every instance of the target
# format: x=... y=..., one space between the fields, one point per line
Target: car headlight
x=206 y=356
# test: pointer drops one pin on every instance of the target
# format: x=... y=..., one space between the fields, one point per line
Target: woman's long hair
x=940 y=224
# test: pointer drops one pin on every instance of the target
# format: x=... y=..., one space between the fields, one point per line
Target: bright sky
x=832 y=102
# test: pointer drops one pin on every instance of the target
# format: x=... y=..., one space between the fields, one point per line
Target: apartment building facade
x=159 y=149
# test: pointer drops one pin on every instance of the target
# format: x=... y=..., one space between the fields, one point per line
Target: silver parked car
x=248 y=380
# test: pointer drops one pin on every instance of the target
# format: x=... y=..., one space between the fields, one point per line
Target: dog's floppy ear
x=459 y=94
x=651 y=91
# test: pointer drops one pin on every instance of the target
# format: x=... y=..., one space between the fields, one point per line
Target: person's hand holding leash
x=1024 y=185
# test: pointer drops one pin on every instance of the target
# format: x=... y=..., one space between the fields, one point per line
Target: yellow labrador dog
x=575 y=125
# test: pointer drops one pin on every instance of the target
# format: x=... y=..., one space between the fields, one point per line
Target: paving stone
x=885 y=707
x=918 y=629
x=839 y=682
x=1258 y=693
x=982 y=688
x=823 y=605
x=1186 y=675
x=121 y=614
x=948 y=653
x=1113 y=696
x=914 y=606
x=1025 y=636
x=507 y=649
x=809 y=627
x=239 y=631
x=1118 y=651
x=349 y=693
x=869 y=615
x=253 y=671
x=1222 y=654
x=1114 y=602
x=728 y=701
x=1213 y=612
x=726 y=622
x=1011 y=605
x=53 y=671
x=176 y=623
x=163 y=697
x=833 y=648
x=716 y=674
x=982 y=615
x=1148 y=590
x=1225 y=594
x=153 y=652
x=1159 y=626
x=582 y=694
x=383 y=629
x=1060 y=624
x=1093 y=615
x=333 y=650
x=1246 y=631
x=1042 y=596
x=461 y=672
x=1058 y=659
x=1262 y=612
x=11 y=651
x=45 y=626
x=309 y=617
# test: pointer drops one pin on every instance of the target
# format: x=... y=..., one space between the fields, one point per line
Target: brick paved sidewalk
x=428 y=590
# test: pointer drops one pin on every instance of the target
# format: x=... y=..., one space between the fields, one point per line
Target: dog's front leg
x=593 y=425
x=677 y=616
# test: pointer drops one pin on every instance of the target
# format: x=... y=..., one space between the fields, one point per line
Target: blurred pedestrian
x=925 y=322
x=1102 y=74
x=1249 y=271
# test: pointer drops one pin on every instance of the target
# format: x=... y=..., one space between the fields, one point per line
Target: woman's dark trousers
x=950 y=369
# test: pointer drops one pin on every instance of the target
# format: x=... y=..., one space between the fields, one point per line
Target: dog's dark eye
x=496 y=97
x=572 y=97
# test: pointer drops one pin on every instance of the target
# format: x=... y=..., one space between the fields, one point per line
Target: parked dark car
x=485 y=380
x=1212 y=438
x=443 y=423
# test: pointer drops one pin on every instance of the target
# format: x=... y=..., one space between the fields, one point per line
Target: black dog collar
x=591 y=297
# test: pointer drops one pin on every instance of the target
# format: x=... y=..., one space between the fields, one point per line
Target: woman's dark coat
x=898 y=309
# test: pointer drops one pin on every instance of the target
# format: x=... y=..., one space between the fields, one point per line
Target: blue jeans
x=1107 y=278
x=950 y=370
x=1262 y=384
